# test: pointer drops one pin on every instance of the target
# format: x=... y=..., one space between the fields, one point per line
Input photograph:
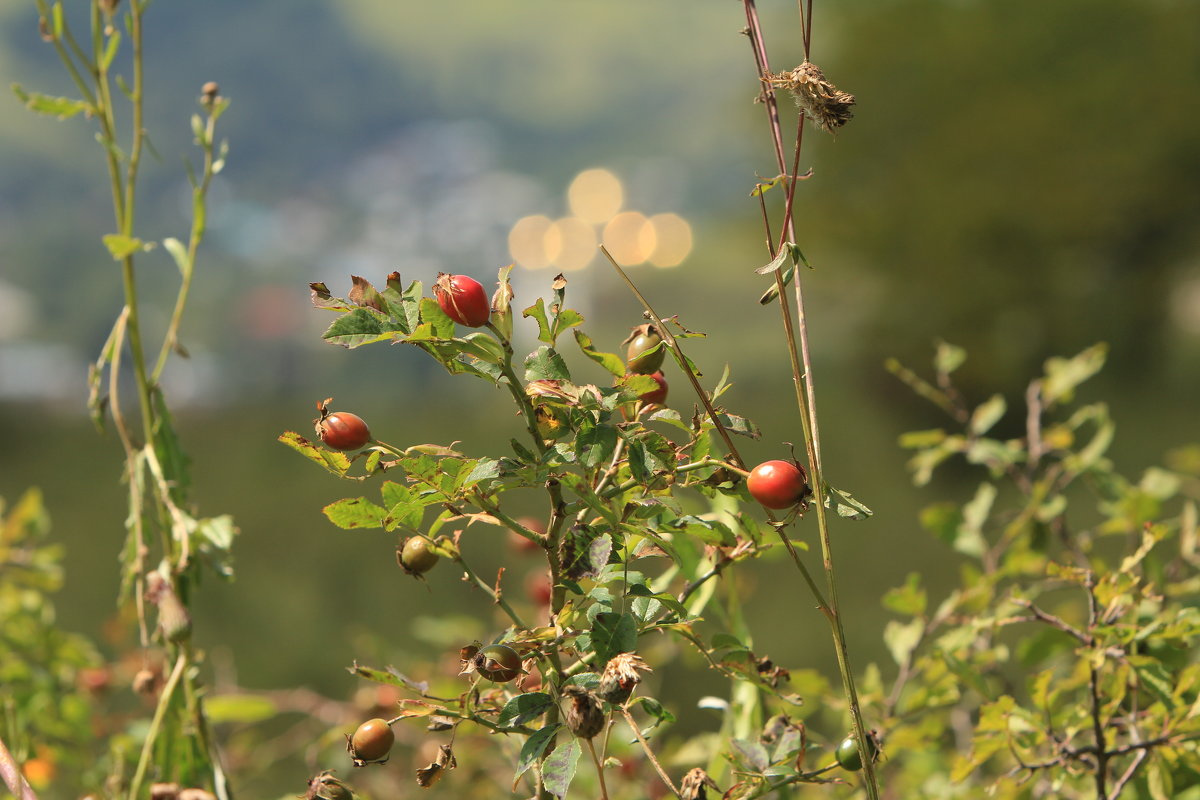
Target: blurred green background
x=1021 y=178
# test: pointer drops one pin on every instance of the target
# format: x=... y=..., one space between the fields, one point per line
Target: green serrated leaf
x=594 y=445
x=654 y=708
x=610 y=361
x=335 y=462
x=389 y=676
x=538 y=312
x=355 y=512
x=752 y=754
x=532 y=750
x=360 y=326
x=558 y=770
x=523 y=708
x=613 y=633
x=722 y=640
x=565 y=320
x=846 y=504
x=546 y=364
x=739 y=425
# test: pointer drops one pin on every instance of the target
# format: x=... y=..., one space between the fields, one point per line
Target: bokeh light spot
x=527 y=241
x=673 y=240
x=595 y=195
x=630 y=238
x=570 y=243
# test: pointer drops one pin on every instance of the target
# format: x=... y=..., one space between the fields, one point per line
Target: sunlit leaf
x=1063 y=375
x=244 y=708
x=987 y=414
x=355 y=512
x=61 y=107
x=120 y=246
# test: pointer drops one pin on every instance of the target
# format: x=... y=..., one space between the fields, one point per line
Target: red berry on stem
x=777 y=484
x=463 y=299
x=341 y=430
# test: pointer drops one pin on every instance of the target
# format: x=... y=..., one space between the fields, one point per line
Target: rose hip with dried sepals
x=341 y=430
x=463 y=299
x=371 y=742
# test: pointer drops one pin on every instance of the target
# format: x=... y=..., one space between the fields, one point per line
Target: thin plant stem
x=11 y=772
x=164 y=702
x=734 y=455
x=599 y=770
x=802 y=374
x=199 y=196
x=497 y=597
x=662 y=773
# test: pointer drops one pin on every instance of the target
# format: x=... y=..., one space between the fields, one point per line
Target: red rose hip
x=341 y=430
x=463 y=300
x=777 y=484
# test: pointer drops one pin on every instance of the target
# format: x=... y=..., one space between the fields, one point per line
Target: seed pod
x=695 y=784
x=327 y=787
x=415 y=557
x=173 y=618
x=620 y=677
x=584 y=715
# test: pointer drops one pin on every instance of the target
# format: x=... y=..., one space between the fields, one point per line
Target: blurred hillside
x=1022 y=178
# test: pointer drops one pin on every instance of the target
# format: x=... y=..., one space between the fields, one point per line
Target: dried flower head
x=173 y=618
x=326 y=787
x=196 y=794
x=584 y=715
x=164 y=791
x=824 y=103
x=695 y=785
x=620 y=676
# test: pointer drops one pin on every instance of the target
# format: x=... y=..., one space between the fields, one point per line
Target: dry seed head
x=620 y=677
x=824 y=103
x=583 y=714
x=164 y=791
x=695 y=784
